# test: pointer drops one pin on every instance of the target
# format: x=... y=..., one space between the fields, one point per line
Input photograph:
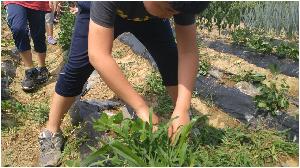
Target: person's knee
x=19 y=30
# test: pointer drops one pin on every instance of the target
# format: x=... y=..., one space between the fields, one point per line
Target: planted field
x=244 y=109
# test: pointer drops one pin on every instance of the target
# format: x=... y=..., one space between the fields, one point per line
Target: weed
x=165 y=105
x=134 y=144
x=75 y=139
x=40 y=112
x=12 y=114
x=274 y=68
x=204 y=67
x=117 y=54
x=154 y=84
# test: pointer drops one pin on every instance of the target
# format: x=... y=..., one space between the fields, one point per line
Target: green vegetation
x=249 y=76
x=204 y=67
x=271 y=98
x=14 y=114
x=254 y=40
x=154 y=84
x=133 y=143
x=281 y=17
x=165 y=105
x=66 y=25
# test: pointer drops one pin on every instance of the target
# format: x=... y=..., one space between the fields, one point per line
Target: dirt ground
x=20 y=148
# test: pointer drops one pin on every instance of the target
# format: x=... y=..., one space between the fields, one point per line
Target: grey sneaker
x=29 y=81
x=43 y=75
x=51 y=40
x=50 y=148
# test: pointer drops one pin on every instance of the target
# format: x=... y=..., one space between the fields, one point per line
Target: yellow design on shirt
x=124 y=16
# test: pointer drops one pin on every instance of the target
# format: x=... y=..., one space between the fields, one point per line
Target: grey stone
x=247 y=88
x=216 y=73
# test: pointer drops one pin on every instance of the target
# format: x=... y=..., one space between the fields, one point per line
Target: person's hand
x=51 y=5
x=183 y=118
x=73 y=10
x=144 y=115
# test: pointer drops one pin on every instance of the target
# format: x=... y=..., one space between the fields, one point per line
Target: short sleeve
x=184 y=19
x=103 y=13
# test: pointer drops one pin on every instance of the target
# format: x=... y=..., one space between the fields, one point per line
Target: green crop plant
x=221 y=14
x=273 y=16
x=260 y=45
x=249 y=76
x=288 y=50
x=241 y=36
x=256 y=41
x=271 y=98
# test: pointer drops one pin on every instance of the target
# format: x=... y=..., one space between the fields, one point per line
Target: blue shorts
x=19 y=18
x=156 y=35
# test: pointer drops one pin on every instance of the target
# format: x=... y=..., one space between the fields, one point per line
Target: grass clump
x=154 y=84
x=14 y=114
x=133 y=143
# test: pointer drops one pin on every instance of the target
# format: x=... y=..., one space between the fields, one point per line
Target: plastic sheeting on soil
x=286 y=66
x=242 y=107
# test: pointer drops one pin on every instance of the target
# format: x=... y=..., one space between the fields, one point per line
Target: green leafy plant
x=132 y=143
x=287 y=50
x=260 y=45
x=249 y=76
x=271 y=98
x=135 y=144
x=66 y=25
x=241 y=36
x=204 y=67
x=154 y=83
x=255 y=40
x=221 y=14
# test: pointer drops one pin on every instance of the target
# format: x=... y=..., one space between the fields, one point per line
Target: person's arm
x=100 y=42
x=187 y=70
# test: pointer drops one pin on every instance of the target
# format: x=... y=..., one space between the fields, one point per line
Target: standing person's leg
x=17 y=21
x=49 y=17
x=70 y=83
x=36 y=21
x=158 y=38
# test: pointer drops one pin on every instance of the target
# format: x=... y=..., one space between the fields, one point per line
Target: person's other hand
x=73 y=10
x=144 y=115
x=183 y=118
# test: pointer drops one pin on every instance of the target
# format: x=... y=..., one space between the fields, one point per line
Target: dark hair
x=191 y=7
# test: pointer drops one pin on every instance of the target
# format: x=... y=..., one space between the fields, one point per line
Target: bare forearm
x=187 y=65
x=114 y=78
x=187 y=71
